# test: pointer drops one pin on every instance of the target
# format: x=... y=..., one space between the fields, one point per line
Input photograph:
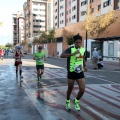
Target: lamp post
x=86 y=53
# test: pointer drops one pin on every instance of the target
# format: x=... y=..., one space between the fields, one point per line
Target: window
x=73 y=0
x=83 y=3
x=55 y=3
x=73 y=17
x=55 y=17
x=83 y=13
x=70 y=19
x=110 y=49
x=70 y=11
x=55 y=24
x=92 y=10
x=73 y=8
x=61 y=6
x=107 y=3
x=92 y=0
x=37 y=26
x=99 y=7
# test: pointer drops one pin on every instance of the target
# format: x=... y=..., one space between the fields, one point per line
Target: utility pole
x=86 y=53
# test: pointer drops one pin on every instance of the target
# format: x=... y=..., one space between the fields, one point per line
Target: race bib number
x=40 y=59
x=78 y=68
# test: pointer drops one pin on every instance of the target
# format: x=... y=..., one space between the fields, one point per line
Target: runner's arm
x=67 y=53
x=44 y=58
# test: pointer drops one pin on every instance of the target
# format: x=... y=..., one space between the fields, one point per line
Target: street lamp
x=86 y=53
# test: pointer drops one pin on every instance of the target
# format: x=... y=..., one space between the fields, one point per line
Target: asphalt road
x=101 y=100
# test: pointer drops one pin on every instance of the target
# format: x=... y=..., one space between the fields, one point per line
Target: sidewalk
x=14 y=103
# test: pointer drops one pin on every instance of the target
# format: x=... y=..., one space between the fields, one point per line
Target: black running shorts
x=40 y=67
x=75 y=76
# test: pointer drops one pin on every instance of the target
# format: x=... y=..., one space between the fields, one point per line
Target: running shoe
x=21 y=77
x=77 y=106
x=68 y=105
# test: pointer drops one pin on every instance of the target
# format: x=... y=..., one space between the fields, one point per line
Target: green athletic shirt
x=39 y=58
x=73 y=59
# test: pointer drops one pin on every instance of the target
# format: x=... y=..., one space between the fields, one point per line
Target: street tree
x=36 y=41
x=24 y=42
x=69 y=36
x=51 y=35
x=43 y=37
x=8 y=45
x=95 y=26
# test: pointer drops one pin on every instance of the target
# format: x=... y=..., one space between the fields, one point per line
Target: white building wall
x=73 y=12
x=107 y=50
x=59 y=46
x=83 y=8
x=56 y=13
x=62 y=11
x=107 y=8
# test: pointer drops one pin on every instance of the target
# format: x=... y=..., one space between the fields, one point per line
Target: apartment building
x=37 y=17
x=69 y=14
x=18 y=24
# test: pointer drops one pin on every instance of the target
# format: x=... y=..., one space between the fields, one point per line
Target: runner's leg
x=16 y=70
x=70 y=88
x=41 y=70
x=81 y=84
x=20 y=67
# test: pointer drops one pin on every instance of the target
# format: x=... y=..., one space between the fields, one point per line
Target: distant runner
x=40 y=58
x=18 y=60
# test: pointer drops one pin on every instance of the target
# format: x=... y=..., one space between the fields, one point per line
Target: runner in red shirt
x=18 y=60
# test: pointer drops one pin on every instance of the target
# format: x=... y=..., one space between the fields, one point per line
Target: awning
x=108 y=38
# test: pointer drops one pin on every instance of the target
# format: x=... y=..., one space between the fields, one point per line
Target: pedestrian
x=18 y=60
x=53 y=54
x=7 y=51
x=39 y=56
x=75 y=70
x=95 y=57
x=57 y=53
x=100 y=63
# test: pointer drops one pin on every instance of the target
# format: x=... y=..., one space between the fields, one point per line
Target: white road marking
x=97 y=113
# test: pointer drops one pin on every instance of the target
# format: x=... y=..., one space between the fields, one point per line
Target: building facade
x=69 y=15
x=37 y=17
x=18 y=24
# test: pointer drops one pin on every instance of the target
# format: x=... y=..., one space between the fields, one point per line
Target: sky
x=7 y=8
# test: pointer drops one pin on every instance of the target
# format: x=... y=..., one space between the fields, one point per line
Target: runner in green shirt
x=40 y=58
